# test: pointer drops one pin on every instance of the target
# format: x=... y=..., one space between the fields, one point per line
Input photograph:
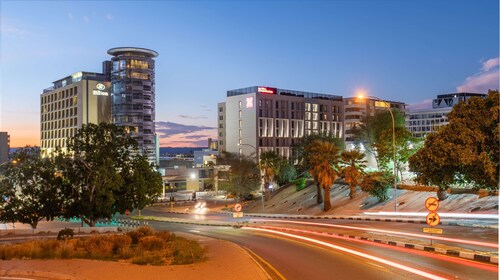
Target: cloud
x=182 y=135
x=86 y=19
x=425 y=104
x=487 y=78
x=192 y=117
x=109 y=16
x=11 y=30
x=70 y=16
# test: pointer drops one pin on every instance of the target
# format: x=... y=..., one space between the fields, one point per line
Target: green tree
x=464 y=150
x=243 y=176
x=300 y=157
x=377 y=183
x=270 y=164
x=323 y=158
x=31 y=191
x=287 y=173
x=353 y=165
x=105 y=174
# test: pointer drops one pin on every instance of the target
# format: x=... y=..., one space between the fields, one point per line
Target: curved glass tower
x=132 y=76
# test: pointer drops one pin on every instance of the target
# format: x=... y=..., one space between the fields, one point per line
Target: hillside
x=290 y=201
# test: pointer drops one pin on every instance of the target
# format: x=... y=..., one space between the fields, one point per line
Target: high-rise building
x=4 y=147
x=132 y=75
x=356 y=109
x=422 y=122
x=257 y=119
x=81 y=98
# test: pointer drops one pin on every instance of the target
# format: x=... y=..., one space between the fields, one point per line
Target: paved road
x=296 y=259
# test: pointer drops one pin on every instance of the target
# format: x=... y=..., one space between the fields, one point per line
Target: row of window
x=59 y=114
x=59 y=95
x=61 y=133
x=426 y=122
x=58 y=105
x=59 y=124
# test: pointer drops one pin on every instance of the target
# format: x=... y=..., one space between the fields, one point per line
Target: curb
x=454 y=253
x=412 y=221
x=40 y=274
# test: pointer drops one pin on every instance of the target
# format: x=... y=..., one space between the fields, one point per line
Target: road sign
x=432 y=230
x=127 y=212
x=432 y=204
x=238 y=215
x=237 y=207
x=433 y=219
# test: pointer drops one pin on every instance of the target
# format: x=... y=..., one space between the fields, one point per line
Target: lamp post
x=393 y=148
x=261 y=184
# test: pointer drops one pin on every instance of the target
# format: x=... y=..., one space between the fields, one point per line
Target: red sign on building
x=267 y=90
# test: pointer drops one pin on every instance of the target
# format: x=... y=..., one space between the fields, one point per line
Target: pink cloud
x=426 y=104
x=487 y=78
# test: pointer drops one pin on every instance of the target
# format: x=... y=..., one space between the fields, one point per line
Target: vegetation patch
x=143 y=246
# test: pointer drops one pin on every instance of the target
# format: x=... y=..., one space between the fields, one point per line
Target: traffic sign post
x=432 y=230
x=432 y=219
x=237 y=207
x=432 y=204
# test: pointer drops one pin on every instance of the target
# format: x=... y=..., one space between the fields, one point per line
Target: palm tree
x=353 y=169
x=323 y=157
x=269 y=166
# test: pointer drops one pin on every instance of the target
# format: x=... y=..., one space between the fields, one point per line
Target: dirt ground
x=224 y=261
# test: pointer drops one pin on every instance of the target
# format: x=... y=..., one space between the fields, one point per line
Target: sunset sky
x=406 y=50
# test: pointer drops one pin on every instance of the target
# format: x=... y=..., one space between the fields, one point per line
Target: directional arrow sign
x=432 y=204
x=433 y=219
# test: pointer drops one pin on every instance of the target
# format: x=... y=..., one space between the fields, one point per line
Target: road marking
x=379 y=267
x=357 y=253
x=254 y=255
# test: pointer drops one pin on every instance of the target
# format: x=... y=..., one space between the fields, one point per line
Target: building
x=356 y=109
x=71 y=102
x=4 y=147
x=132 y=75
x=422 y=122
x=257 y=119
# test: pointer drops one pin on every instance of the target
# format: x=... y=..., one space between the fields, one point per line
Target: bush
x=164 y=235
x=99 y=246
x=65 y=234
x=300 y=183
x=139 y=233
x=150 y=258
x=187 y=251
x=151 y=243
x=377 y=184
x=121 y=245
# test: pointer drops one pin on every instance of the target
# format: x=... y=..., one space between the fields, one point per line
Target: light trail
x=443 y=215
x=356 y=253
x=462 y=241
x=426 y=254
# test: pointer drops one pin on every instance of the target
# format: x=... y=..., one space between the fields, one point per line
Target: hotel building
x=422 y=122
x=257 y=119
x=132 y=75
x=71 y=102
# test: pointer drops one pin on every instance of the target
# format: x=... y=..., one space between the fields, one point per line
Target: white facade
x=258 y=119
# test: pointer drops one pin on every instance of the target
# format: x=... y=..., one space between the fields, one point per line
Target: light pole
x=393 y=147
x=260 y=171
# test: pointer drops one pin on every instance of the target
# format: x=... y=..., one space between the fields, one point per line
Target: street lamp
x=393 y=147
x=261 y=184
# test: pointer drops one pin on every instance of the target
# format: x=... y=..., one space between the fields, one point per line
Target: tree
x=270 y=164
x=105 y=174
x=353 y=168
x=243 y=176
x=377 y=184
x=323 y=157
x=31 y=191
x=287 y=173
x=299 y=155
x=464 y=150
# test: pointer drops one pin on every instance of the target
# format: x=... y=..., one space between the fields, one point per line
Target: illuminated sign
x=249 y=102
x=267 y=90
x=100 y=90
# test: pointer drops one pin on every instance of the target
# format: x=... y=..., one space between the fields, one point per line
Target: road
x=298 y=259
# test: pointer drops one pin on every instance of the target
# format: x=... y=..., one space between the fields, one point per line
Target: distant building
x=422 y=122
x=75 y=100
x=205 y=157
x=257 y=119
x=356 y=109
x=4 y=147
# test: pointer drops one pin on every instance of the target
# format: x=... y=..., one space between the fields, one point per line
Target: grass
x=144 y=246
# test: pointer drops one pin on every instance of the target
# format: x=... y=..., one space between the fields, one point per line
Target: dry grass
x=150 y=247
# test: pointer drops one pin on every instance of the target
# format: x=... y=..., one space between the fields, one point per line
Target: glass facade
x=133 y=91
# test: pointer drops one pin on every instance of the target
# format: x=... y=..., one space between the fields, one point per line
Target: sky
x=406 y=50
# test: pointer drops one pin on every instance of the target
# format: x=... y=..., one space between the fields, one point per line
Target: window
x=239 y=104
x=221 y=126
x=221 y=109
x=221 y=118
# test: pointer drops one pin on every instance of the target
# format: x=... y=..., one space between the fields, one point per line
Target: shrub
x=151 y=243
x=139 y=233
x=187 y=251
x=65 y=234
x=164 y=235
x=377 y=184
x=99 y=246
x=150 y=258
x=121 y=244
x=300 y=183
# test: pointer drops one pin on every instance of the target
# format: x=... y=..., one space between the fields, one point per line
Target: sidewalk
x=225 y=260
